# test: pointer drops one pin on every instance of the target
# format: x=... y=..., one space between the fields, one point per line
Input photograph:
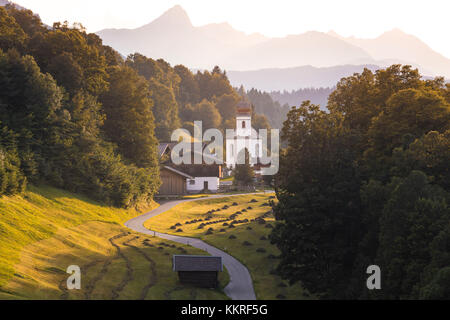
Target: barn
x=199 y=271
x=173 y=181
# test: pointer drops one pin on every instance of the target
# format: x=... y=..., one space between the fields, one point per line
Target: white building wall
x=213 y=184
x=235 y=146
x=241 y=129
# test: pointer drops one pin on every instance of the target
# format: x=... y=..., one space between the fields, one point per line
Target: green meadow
x=239 y=225
x=45 y=230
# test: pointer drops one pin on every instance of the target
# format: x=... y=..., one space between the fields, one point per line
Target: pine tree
x=244 y=173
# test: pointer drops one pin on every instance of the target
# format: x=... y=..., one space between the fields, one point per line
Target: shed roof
x=185 y=175
x=197 y=263
x=162 y=148
x=201 y=170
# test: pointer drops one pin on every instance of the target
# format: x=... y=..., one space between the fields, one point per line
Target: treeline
x=368 y=184
x=75 y=114
x=276 y=104
x=317 y=96
x=265 y=106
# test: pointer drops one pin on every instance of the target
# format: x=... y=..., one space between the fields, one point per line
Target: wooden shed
x=199 y=271
x=173 y=181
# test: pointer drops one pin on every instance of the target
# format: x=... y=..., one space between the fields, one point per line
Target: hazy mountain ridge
x=396 y=45
x=280 y=79
x=173 y=38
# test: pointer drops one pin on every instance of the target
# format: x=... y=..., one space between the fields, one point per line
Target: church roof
x=243 y=108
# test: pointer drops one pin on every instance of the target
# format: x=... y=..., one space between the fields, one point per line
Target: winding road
x=240 y=286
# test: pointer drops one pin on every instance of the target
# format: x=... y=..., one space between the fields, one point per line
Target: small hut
x=199 y=271
x=173 y=181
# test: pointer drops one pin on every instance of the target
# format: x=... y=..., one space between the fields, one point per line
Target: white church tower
x=244 y=137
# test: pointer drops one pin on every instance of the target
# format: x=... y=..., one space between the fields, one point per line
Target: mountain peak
x=176 y=14
x=173 y=19
x=396 y=32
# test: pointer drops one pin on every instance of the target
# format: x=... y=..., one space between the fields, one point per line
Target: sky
x=428 y=20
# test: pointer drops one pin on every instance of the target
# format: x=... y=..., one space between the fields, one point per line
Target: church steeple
x=243 y=119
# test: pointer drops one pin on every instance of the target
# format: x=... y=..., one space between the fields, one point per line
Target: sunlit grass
x=260 y=256
x=198 y=210
x=47 y=229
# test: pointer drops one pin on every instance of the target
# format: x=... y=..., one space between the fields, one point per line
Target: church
x=244 y=137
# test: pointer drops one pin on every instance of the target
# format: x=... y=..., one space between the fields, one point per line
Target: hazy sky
x=429 y=20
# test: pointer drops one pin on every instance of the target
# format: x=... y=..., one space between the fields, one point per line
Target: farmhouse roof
x=196 y=263
x=201 y=170
x=162 y=148
x=178 y=172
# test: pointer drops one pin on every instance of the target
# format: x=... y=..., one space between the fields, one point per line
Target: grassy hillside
x=46 y=230
x=244 y=235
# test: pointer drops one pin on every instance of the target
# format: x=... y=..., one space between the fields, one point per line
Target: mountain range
x=311 y=59
x=281 y=79
x=173 y=37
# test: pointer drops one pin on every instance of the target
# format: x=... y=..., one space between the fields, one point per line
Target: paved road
x=240 y=286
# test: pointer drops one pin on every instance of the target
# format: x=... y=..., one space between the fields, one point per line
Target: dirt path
x=240 y=286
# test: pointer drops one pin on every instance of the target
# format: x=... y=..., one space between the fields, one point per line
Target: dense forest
x=77 y=115
x=276 y=104
x=295 y=97
x=368 y=184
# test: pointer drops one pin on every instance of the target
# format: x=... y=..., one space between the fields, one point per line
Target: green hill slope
x=45 y=230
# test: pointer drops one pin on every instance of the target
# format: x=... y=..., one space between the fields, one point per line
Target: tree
x=411 y=214
x=129 y=120
x=367 y=183
x=243 y=173
x=11 y=34
x=213 y=84
x=165 y=110
x=188 y=91
x=12 y=179
x=318 y=191
x=204 y=111
x=226 y=105
x=29 y=103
